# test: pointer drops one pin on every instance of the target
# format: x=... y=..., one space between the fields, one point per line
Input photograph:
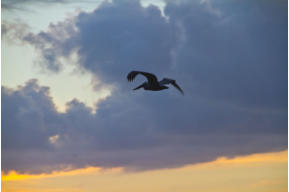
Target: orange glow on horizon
x=13 y=175
x=267 y=172
x=274 y=157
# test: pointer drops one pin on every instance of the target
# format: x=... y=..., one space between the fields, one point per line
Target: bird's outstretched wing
x=150 y=77
x=173 y=82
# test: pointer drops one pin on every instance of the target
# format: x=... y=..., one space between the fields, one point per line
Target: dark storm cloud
x=231 y=62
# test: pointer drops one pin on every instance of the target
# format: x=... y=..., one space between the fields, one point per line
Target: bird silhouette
x=153 y=84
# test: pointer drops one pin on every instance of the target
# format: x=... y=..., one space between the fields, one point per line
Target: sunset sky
x=71 y=122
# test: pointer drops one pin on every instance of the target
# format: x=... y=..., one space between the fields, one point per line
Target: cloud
x=128 y=131
x=230 y=56
x=132 y=30
x=53 y=44
x=19 y=5
x=235 y=57
x=231 y=65
x=14 y=32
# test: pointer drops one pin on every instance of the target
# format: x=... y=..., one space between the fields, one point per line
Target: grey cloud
x=129 y=131
x=122 y=33
x=20 y=4
x=240 y=56
x=232 y=67
x=14 y=32
x=125 y=36
x=53 y=44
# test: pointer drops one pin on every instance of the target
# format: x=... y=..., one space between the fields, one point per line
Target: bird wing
x=150 y=77
x=173 y=82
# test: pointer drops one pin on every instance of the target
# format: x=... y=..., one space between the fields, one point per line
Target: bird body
x=153 y=84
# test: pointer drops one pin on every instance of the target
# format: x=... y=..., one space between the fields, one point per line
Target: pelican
x=153 y=84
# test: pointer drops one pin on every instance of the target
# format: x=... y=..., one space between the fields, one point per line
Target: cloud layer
x=231 y=62
x=20 y=4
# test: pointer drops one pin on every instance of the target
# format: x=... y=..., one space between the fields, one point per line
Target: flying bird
x=153 y=84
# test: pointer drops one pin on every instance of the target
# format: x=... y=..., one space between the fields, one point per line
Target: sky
x=69 y=116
